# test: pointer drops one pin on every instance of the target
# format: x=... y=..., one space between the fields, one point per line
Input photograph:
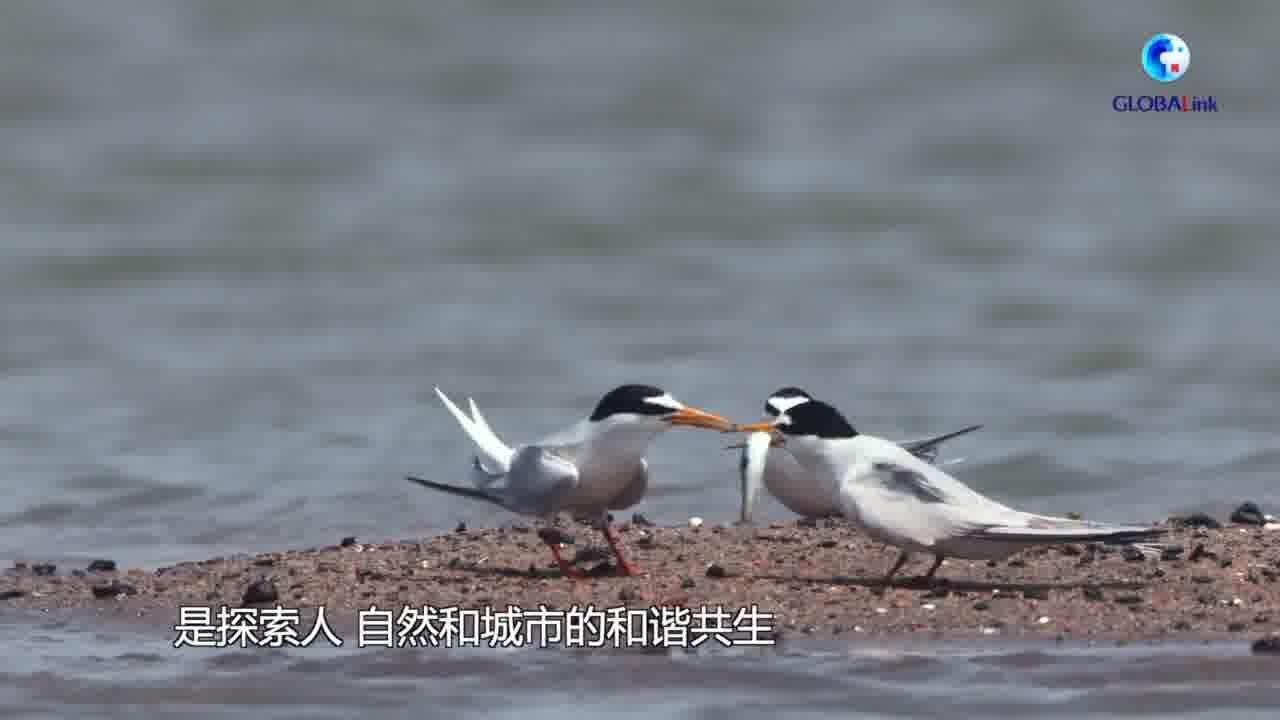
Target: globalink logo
x=1165 y=59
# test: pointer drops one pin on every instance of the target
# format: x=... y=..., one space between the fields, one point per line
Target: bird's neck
x=829 y=462
x=622 y=444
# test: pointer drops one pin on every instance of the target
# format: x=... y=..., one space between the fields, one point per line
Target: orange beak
x=693 y=417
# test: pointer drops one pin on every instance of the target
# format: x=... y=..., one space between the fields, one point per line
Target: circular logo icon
x=1165 y=57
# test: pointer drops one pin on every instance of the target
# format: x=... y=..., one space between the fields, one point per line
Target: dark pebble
x=828 y=544
x=1070 y=550
x=1182 y=625
x=1157 y=573
x=807 y=522
x=602 y=569
x=628 y=596
x=1268 y=645
x=102 y=566
x=1262 y=618
x=1224 y=562
x=113 y=588
x=687 y=584
x=1199 y=553
x=982 y=605
x=44 y=570
x=1017 y=562
x=641 y=520
x=555 y=536
x=1207 y=598
x=1202 y=579
x=1127 y=599
x=646 y=541
x=348 y=541
x=716 y=570
x=992 y=563
x=1132 y=554
x=1036 y=593
x=937 y=592
x=1248 y=514
x=1171 y=552
x=519 y=528
x=1237 y=627
x=10 y=594
x=1196 y=520
x=261 y=590
x=462 y=527
x=1094 y=594
x=264 y=562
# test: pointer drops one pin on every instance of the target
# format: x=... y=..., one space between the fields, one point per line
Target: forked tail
x=493 y=454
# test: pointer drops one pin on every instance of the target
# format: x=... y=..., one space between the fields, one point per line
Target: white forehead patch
x=783 y=404
x=783 y=419
x=665 y=400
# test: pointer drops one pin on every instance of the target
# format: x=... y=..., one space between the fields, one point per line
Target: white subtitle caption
x=430 y=626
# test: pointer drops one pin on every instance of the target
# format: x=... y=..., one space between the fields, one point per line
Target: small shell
x=695 y=522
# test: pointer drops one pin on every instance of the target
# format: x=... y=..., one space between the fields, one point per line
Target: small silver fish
x=751 y=472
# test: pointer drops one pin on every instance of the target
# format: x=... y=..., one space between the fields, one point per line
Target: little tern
x=901 y=500
x=591 y=467
x=800 y=491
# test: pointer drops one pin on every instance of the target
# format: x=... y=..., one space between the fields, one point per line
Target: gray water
x=241 y=241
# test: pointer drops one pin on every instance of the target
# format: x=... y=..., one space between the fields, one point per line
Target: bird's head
x=805 y=424
x=652 y=408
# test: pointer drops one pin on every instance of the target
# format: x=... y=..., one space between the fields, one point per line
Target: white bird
x=801 y=491
x=901 y=500
x=593 y=466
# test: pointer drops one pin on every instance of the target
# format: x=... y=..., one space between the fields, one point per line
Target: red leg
x=624 y=567
x=566 y=569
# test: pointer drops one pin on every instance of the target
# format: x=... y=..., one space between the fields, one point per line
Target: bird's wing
x=538 y=481
x=905 y=496
x=634 y=491
x=927 y=448
x=493 y=455
x=899 y=502
x=879 y=450
x=1044 y=528
x=898 y=479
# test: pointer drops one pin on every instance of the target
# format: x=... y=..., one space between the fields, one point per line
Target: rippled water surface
x=241 y=241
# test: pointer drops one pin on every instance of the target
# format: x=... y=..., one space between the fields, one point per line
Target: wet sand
x=818 y=579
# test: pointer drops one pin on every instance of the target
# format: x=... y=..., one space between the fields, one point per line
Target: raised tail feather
x=456 y=490
x=929 y=446
x=493 y=454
